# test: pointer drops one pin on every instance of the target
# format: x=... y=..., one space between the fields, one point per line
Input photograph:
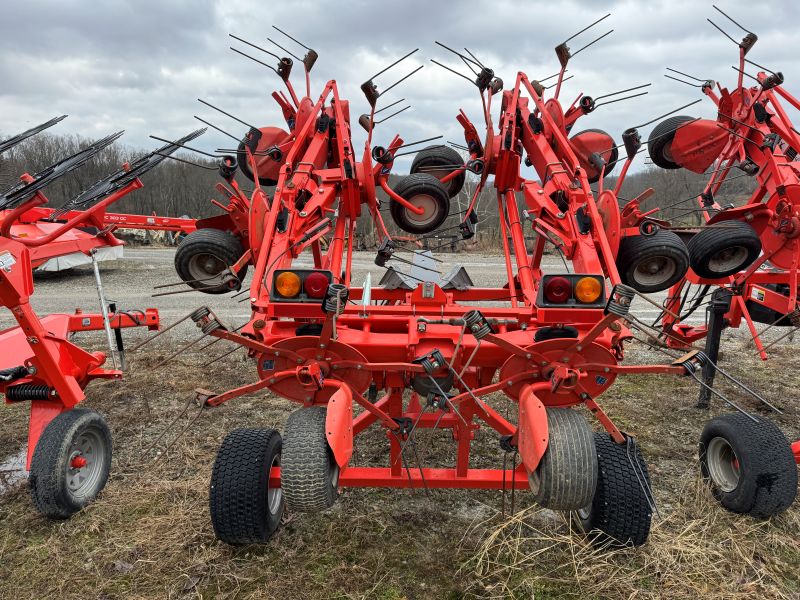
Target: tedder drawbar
x=434 y=352
x=69 y=448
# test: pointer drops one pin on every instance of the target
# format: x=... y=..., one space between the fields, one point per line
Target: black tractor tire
x=749 y=465
x=309 y=473
x=659 y=144
x=425 y=190
x=244 y=510
x=440 y=161
x=566 y=477
x=620 y=512
x=723 y=249
x=58 y=486
x=203 y=255
x=652 y=263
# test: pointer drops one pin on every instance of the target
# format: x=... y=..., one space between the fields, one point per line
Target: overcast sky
x=141 y=65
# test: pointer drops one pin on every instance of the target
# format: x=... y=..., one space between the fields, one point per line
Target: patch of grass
x=149 y=534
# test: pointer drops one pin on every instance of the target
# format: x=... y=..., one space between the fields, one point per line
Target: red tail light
x=558 y=290
x=315 y=284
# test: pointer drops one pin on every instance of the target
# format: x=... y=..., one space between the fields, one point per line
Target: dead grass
x=694 y=551
x=149 y=534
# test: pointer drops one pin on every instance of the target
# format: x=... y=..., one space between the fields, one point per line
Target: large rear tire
x=567 y=475
x=652 y=263
x=749 y=465
x=309 y=473
x=204 y=255
x=71 y=463
x=244 y=509
x=620 y=511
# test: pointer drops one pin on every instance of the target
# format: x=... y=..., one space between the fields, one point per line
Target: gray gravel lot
x=131 y=280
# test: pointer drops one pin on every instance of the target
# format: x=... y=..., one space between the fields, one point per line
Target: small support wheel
x=309 y=474
x=424 y=191
x=620 y=511
x=203 y=257
x=440 y=161
x=567 y=475
x=723 y=249
x=652 y=263
x=659 y=145
x=244 y=508
x=749 y=465
x=71 y=463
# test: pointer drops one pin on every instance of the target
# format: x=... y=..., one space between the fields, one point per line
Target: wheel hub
x=655 y=270
x=723 y=464
x=428 y=204
x=728 y=259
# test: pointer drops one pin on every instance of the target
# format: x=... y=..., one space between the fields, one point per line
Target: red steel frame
x=321 y=188
x=773 y=209
x=34 y=224
x=41 y=345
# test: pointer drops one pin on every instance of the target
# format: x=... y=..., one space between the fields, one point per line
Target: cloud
x=141 y=65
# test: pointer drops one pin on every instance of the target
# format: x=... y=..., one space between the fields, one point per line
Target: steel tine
x=211 y=362
x=154 y=336
x=180 y=350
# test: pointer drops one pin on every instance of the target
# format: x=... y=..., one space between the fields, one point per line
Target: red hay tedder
x=749 y=255
x=416 y=353
x=69 y=449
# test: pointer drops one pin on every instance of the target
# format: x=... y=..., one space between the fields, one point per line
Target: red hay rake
x=69 y=449
x=749 y=255
x=322 y=341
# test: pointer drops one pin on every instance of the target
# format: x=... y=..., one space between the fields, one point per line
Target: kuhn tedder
x=744 y=261
x=551 y=342
x=69 y=448
x=89 y=241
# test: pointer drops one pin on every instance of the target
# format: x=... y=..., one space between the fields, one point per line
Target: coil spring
x=477 y=324
x=794 y=317
x=27 y=391
x=791 y=154
x=336 y=299
x=620 y=302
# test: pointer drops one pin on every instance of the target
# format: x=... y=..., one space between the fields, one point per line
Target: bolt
x=606 y=370
x=358 y=367
x=528 y=355
x=560 y=215
x=272 y=380
x=303 y=213
x=299 y=361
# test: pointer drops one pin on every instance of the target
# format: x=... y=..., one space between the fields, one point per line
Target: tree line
x=177 y=189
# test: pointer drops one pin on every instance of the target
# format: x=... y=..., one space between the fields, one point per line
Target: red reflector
x=315 y=285
x=557 y=290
